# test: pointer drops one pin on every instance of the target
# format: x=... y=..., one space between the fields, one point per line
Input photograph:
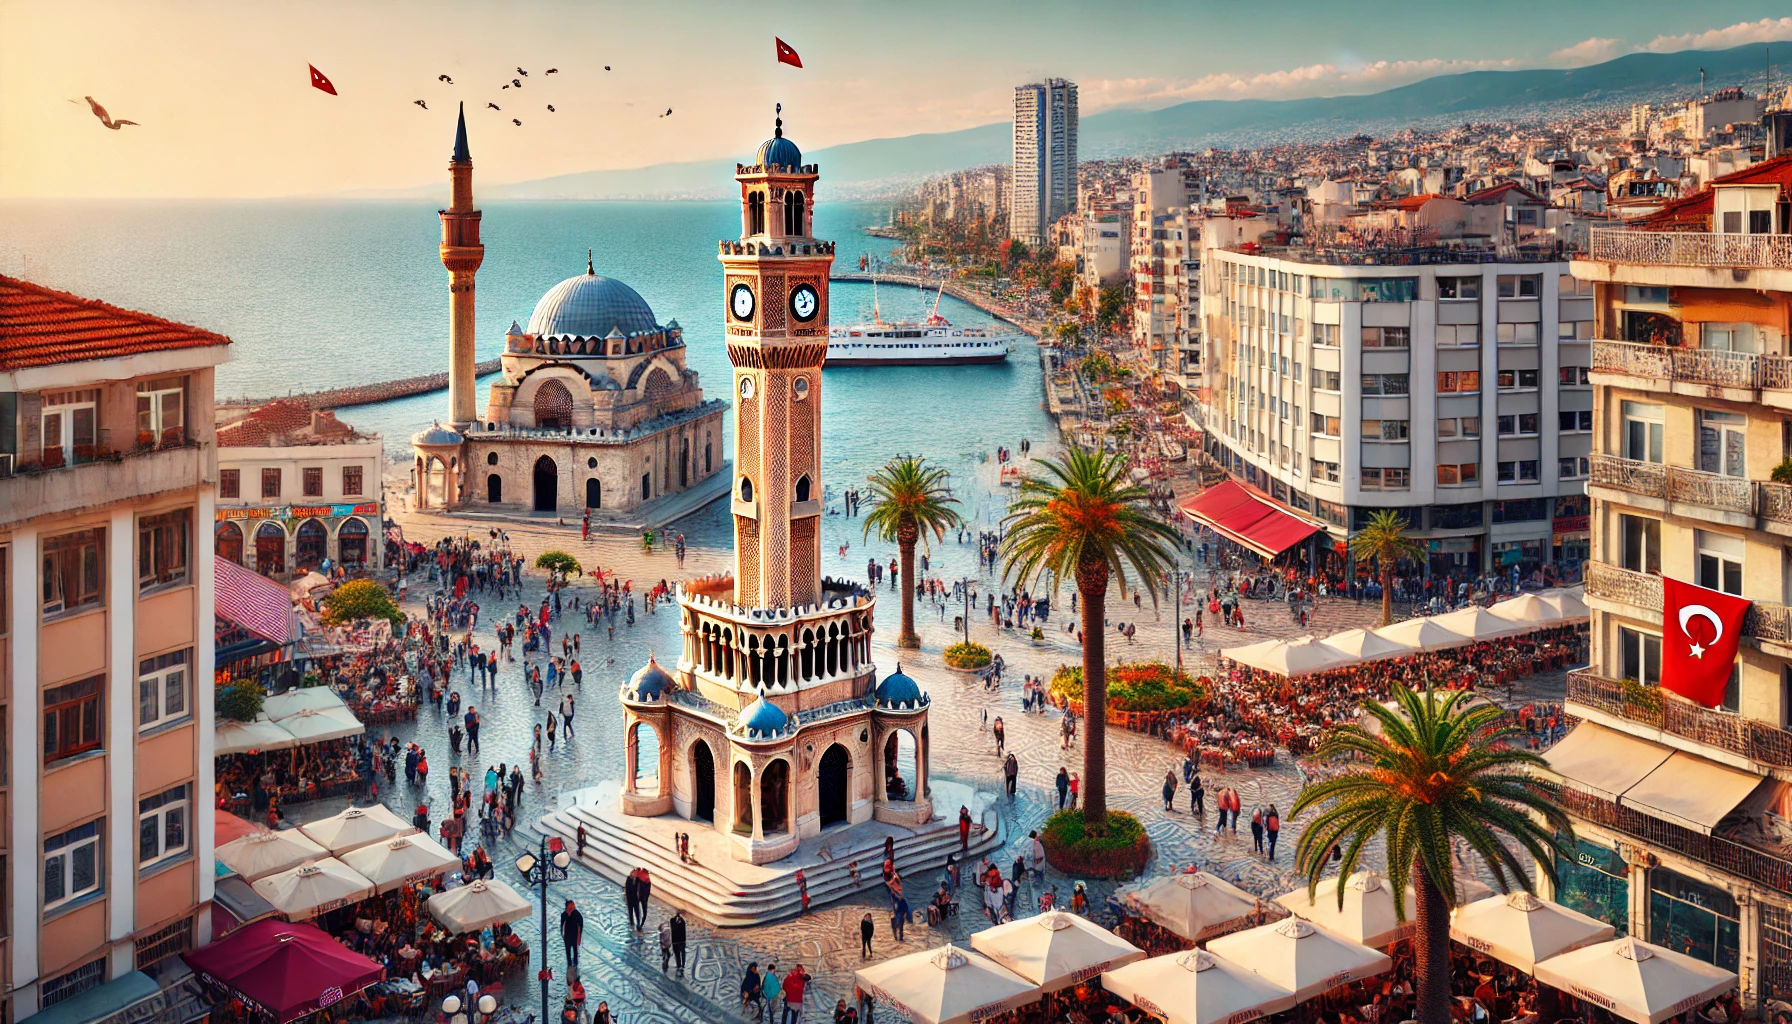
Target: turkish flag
x=1700 y=632
x=318 y=81
x=786 y=55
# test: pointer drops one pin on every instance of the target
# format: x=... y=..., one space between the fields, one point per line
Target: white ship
x=931 y=342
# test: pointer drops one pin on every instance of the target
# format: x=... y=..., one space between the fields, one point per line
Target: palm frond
x=1082 y=514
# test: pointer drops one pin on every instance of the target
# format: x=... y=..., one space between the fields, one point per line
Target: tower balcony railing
x=1760 y=498
x=1690 y=249
x=1760 y=742
x=1766 y=620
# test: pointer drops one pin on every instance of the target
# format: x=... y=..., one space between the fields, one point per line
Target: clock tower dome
x=775 y=296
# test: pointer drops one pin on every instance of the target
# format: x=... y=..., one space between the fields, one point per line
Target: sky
x=222 y=94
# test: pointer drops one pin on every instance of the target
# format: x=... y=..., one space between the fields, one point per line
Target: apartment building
x=1446 y=384
x=1044 y=183
x=1683 y=812
x=1163 y=232
x=106 y=471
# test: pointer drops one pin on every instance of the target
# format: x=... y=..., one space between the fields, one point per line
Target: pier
x=929 y=282
x=364 y=394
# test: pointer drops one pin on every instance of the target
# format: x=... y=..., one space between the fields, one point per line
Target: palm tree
x=1384 y=539
x=1440 y=770
x=1084 y=520
x=908 y=499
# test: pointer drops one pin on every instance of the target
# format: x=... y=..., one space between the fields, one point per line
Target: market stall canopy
x=1301 y=957
x=288 y=970
x=477 y=905
x=309 y=582
x=251 y=600
x=1368 y=914
x=227 y=828
x=391 y=864
x=1193 y=903
x=1636 y=980
x=1657 y=780
x=1197 y=987
x=1423 y=635
x=1364 y=645
x=1528 y=610
x=356 y=827
x=311 y=726
x=268 y=853
x=1245 y=517
x=1521 y=929
x=947 y=985
x=1299 y=657
x=1479 y=624
x=310 y=889
x=243 y=737
x=310 y=698
x=235 y=903
x=1055 y=950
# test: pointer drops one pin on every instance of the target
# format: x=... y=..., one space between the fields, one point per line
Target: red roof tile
x=42 y=327
x=1498 y=192
x=1693 y=213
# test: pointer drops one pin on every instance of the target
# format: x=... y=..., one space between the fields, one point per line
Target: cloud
x=1588 y=51
x=1308 y=80
x=1767 y=30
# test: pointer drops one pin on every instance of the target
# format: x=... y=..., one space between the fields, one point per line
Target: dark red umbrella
x=287 y=969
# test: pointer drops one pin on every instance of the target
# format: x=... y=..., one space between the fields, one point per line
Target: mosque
x=594 y=407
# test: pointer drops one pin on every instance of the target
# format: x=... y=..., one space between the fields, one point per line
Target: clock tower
x=775 y=295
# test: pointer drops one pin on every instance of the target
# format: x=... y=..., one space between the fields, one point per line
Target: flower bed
x=1120 y=853
x=967 y=657
x=1142 y=686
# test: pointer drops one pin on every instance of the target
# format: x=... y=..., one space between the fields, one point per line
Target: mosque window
x=802 y=487
x=491 y=458
x=793 y=213
x=553 y=406
x=756 y=213
x=746 y=489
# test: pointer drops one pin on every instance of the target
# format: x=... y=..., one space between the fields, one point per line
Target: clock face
x=746 y=385
x=804 y=303
x=740 y=302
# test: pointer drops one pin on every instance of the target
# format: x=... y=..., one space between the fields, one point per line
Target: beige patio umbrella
x=1480 y=624
x=1636 y=980
x=392 y=863
x=290 y=703
x=1249 y=654
x=310 y=725
x=1301 y=957
x=1196 y=987
x=1570 y=601
x=1055 y=950
x=1193 y=903
x=1304 y=656
x=478 y=905
x=1366 y=645
x=356 y=827
x=948 y=985
x=1521 y=929
x=1529 y=610
x=1368 y=914
x=260 y=854
x=310 y=889
x=242 y=737
x=1423 y=635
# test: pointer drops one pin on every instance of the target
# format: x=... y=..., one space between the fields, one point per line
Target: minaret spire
x=461 y=255
x=461 y=154
x=590 y=270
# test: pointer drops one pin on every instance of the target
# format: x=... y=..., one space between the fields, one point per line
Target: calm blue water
x=323 y=294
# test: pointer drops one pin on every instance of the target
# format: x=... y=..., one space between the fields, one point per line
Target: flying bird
x=668 y=112
x=606 y=67
x=516 y=82
x=494 y=106
x=550 y=108
x=506 y=87
x=422 y=104
x=551 y=71
x=105 y=118
x=444 y=78
x=520 y=71
x=514 y=121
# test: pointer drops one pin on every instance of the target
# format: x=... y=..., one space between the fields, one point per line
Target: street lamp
x=964 y=589
x=550 y=865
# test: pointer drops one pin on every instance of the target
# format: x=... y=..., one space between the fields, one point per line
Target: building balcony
x=1767 y=621
x=1660 y=367
x=1725 y=854
x=1762 y=744
x=1690 y=249
x=1713 y=497
x=43 y=490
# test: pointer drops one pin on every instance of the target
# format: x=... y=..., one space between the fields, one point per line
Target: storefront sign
x=224 y=514
x=1573 y=524
x=298 y=511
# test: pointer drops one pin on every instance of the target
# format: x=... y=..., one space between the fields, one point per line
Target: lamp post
x=964 y=591
x=1176 y=613
x=538 y=869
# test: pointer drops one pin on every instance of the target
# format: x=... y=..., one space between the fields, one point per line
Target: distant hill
x=877 y=166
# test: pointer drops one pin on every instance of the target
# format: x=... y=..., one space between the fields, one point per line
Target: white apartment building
x=1453 y=392
x=1162 y=235
x=1101 y=259
x=1044 y=185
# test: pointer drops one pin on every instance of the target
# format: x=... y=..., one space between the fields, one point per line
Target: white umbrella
x=313 y=698
x=1528 y=610
x=1305 y=656
x=310 y=889
x=1055 y=950
x=260 y=854
x=1569 y=601
x=1196 y=987
x=477 y=905
x=1636 y=980
x=1192 y=903
x=1250 y=654
x=389 y=865
x=356 y=827
x=1521 y=929
x=1301 y=957
x=1479 y=623
x=308 y=582
x=1367 y=916
x=947 y=985
x=243 y=737
x=1366 y=646
x=312 y=726
x=1423 y=635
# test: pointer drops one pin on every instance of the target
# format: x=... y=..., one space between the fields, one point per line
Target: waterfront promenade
x=362 y=394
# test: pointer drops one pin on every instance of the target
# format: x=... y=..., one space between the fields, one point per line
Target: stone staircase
x=729 y=893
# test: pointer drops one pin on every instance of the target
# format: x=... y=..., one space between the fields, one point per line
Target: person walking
x=1197 y=798
x=1076 y=785
x=1063 y=783
x=1272 y=828
x=751 y=992
x=572 y=933
x=794 y=985
x=964 y=829
x=631 y=893
x=1000 y=733
x=771 y=986
x=641 y=904
x=472 y=723
x=1011 y=773
x=566 y=711
x=665 y=946
x=1257 y=829
x=678 y=939
x=866 y=929
x=1169 y=789
x=899 y=916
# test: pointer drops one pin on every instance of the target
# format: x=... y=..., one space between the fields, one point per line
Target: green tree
x=238 y=702
x=1384 y=539
x=1111 y=305
x=558 y=561
x=1440 y=770
x=909 y=499
x=1084 y=520
x=358 y=600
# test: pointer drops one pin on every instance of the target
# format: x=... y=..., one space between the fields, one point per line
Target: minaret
x=775 y=296
x=461 y=254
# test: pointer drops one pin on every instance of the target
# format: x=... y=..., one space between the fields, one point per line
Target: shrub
x=309 y=680
x=967 y=655
x=1782 y=473
x=1120 y=851
x=1140 y=686
x=357 y=600
x=558 y=561
x=240 y=701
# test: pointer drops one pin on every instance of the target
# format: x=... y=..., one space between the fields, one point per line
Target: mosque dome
x=762 y=718
x=436 y=435
x=898 y=691
x=591 y=306
x=649 y=683
x=779 y=151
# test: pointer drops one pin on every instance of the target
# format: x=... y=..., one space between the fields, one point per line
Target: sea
x=320 y=294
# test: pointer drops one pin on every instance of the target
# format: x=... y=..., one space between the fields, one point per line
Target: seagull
x=514 y=121
x=668 y=112
x=520 y=71
x=444 y=78
x=606 y=67
x=494 y=106
x=551 y=71
x=550 y=108
x=422 y=104
x=516 y=83
x=105 y=118
x=506 y=86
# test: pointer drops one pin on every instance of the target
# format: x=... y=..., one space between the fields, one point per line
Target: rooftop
x=281 y=423
x=1371 y=254
x=43 y=327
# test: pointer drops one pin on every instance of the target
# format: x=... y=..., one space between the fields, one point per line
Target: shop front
x=289 y=540
x=1596 y=882
x=1695 y=918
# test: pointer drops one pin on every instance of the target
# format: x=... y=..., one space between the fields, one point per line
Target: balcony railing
x=1761 y=498
x=1766 y=620
x=1757 y=741
x=1757 y=866
x=1690 y=249
x=1692 y=365
x=1633 y=476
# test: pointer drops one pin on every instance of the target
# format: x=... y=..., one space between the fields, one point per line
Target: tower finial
x=589 y=269
x=461 y=154
x=778 y=123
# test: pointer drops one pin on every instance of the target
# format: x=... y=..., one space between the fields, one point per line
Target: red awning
x=287 y=969
x=1242 y=515
x=252 y=601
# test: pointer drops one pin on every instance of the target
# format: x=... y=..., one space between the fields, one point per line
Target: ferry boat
x=931 y=342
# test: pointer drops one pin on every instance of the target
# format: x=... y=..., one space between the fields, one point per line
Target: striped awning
x=253 y=602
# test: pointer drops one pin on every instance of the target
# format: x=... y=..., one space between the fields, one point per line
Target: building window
x=1573 y=467
x=1518 y=471
x=162 y=826
x=1720 y=561
x=1458 y=335
x=74 y=571
x=1327 y=471
x=1639 y=655
x=1327 y=426
x=1384 y=384
x=162 y=548
x=1462 y=473
x=72 y=716
x=1596 y=883
x=72 y=865
x=270 y=483
x=159 y=945
x=1385 y=337
x=312 y=481
x=1518 y=380
x=1690 y=917
x=1640 y=544
x=1520 y=286
x=162 y=688
x=1574 y=376
x=1459 y=426
x=1575 y=422
x=351 y=481
x=70 y=422
x=1517 y=334
x=1522 y=424
x=1325 y=335
x=63 y=987
x=230 y=483
x=1458 y=381
x=161 y=419
x=1327 y=380
x=1723 y=443
x=1386 y=479
x=1643 y=426
x=1574 y=330
x=1458 y=287
x=1385 y=430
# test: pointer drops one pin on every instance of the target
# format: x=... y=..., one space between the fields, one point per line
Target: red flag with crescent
x=786 y=55
x=1701 y=630
x=318 y=81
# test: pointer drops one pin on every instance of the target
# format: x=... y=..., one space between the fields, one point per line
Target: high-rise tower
x=461 y=254
x=1044 y=186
